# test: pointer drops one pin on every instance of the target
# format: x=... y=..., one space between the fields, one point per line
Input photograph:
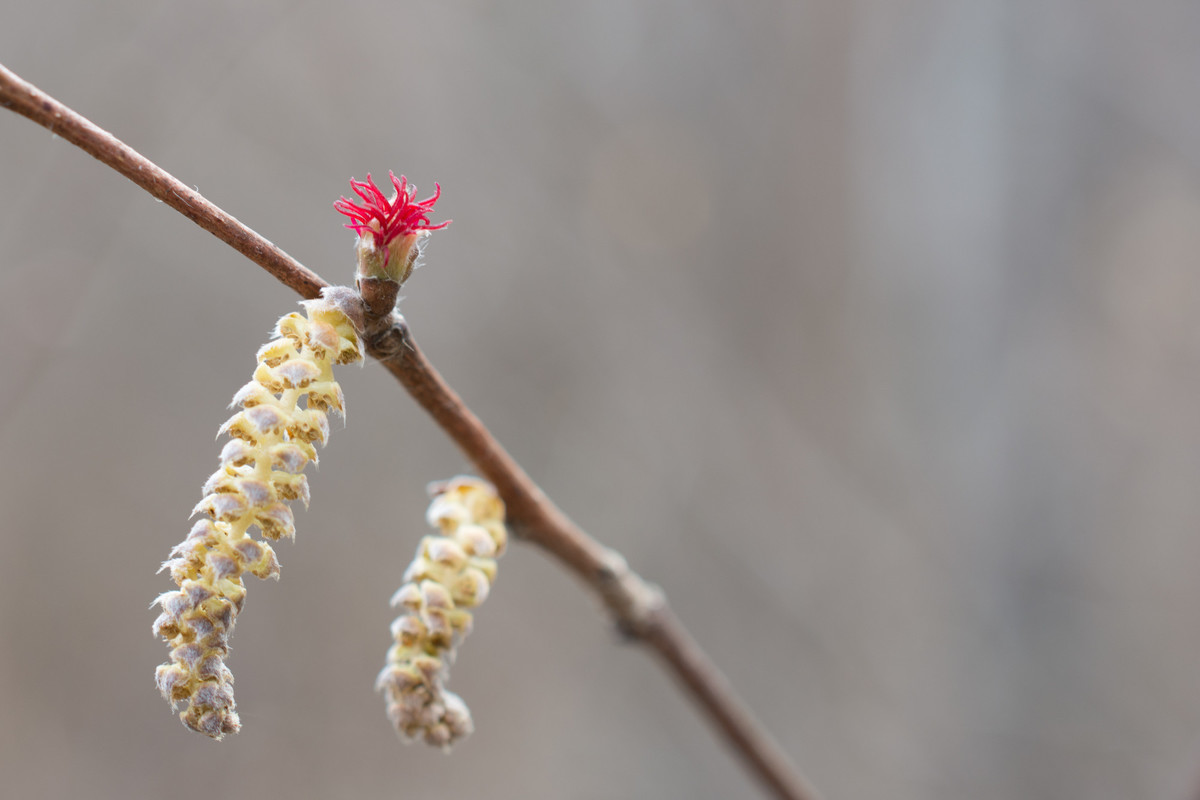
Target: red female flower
x=389 y=231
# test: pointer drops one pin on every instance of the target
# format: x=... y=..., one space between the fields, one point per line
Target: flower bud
x=390 y=231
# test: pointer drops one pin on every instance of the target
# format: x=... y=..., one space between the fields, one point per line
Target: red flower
x=389 y=220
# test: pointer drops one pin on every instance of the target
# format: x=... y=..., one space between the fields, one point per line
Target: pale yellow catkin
x=272 y=440
x=452 y=572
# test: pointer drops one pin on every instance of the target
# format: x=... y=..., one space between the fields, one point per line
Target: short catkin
x=272 y=439
x=452 y=572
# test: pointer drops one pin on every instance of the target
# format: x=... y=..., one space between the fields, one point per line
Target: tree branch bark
x=638 y=608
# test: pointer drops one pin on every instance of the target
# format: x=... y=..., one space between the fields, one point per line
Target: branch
x=29 y=101
x=638 y=608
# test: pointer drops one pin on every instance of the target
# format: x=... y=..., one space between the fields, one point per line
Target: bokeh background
x=869 y=330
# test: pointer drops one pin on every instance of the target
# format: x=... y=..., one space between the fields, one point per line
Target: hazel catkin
x=451 y=573
x=272 y=439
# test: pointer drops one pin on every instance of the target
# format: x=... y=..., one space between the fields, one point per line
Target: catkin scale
x=452 y=573
x=260 y=472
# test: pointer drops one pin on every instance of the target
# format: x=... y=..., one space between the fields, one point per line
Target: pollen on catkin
x=272 y=440
x=452 y=572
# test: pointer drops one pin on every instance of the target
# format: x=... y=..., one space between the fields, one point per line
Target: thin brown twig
x=638 y=608
x=29 y=101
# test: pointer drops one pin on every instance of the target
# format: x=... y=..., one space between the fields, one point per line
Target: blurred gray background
x=869 y=330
